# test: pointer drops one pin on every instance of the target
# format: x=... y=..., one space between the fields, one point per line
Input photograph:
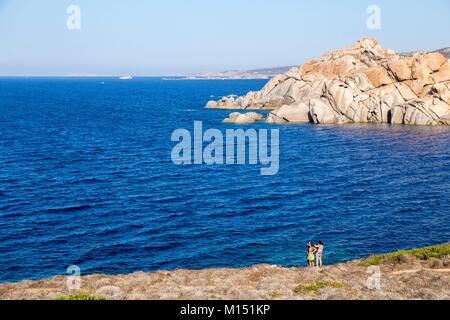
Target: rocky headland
x=363 y=83
x=414 y=274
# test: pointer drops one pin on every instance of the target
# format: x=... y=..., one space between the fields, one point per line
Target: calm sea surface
x=86 y=178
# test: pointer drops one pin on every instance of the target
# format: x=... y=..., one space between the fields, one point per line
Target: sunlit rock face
x=362 y=83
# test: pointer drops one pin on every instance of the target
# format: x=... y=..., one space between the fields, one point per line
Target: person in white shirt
x=319 y=254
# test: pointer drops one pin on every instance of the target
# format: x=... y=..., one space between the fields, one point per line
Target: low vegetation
x=276 y=294
x=316 y=286
x=425 y=253
x=80 y=296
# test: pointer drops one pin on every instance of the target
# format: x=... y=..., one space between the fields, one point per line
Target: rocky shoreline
x=362 y=83
x=417 y=274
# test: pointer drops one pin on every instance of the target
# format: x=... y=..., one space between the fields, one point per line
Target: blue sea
x=86 y=179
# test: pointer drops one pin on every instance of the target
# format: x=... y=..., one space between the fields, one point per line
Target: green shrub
x=316 y=286
x=80 y=296
x=425 y=253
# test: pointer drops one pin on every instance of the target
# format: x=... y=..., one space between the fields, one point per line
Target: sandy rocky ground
x=410 y=279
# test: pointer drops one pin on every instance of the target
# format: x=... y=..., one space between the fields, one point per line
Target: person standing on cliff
x=319 y=254
x=310 y=254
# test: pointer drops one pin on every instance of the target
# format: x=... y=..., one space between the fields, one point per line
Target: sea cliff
x=413 y=274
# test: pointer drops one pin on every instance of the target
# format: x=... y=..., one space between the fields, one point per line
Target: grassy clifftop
x=425 y=253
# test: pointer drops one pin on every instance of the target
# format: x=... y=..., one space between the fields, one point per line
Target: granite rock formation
x=362 y=83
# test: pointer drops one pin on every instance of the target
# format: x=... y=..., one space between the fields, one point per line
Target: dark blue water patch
x=86 y=178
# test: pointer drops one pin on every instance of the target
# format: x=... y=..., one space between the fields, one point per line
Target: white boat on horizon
x=126 y=78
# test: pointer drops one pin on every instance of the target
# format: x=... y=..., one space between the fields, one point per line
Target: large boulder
x=442 y=91
x=243 y=118
x=434 y=61
x=321 y=112
x=402 y=68
x=429 y=111
x=298 y=113
x=357 y=84
x=443 y=74
x=212 y=104
x=378 y=76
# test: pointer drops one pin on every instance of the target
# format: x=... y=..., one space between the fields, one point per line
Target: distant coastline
x=256 y=74
x=267 y=73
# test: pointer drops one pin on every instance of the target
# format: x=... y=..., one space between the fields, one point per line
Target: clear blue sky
x=170 y=37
